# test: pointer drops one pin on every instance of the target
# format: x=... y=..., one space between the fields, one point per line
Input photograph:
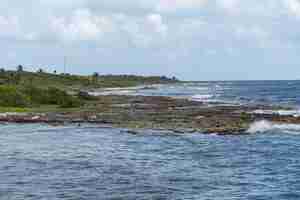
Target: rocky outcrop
x=164 y=113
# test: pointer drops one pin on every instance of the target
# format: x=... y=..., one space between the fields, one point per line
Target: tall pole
x=65 y=64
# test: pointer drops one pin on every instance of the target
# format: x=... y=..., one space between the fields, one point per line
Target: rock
x=35 y=117
x=199 y=117
x=183 y=130
x=85 y=95
x=133 y=132
x=93 y=117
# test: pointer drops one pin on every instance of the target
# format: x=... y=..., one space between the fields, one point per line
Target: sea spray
x=202 y=97
x=295 y=113
x=260 y=127
x=266 y=126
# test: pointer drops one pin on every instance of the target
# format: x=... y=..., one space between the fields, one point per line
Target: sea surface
x=282 y=93
x=95 y=162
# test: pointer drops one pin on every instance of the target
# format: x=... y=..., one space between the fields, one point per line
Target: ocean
x=282 y=93
x=94 y=162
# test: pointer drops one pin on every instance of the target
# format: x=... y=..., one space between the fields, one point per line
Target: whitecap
x=295 y=113
x=202 y=97
x=111 y=92
x=266 y=126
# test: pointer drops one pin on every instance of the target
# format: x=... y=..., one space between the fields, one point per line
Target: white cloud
x=293 y=7
x=155 y=22
x=173 y=5
x=145 y=31
x=253 y=8
x=228 y=5
x=11 y=28
x=141 y=28
x=114 y=29
x=81 y=26
x=145 y=23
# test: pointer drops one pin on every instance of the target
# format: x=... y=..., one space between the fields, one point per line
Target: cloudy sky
x=191 y=39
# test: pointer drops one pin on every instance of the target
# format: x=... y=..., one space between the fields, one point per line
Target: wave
x=295 y=113
x=202 y=97
x=125 y=90
x=267 y=126
x=213 y=99
x=119 y=92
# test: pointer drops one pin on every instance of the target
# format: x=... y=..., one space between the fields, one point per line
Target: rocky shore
x=163 y=113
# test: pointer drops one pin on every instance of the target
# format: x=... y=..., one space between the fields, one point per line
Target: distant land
x=23 y=89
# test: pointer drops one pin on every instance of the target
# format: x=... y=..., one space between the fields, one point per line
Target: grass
x=30 y=96
x=77 y=82
x=13 y=110
x=10 y=96
x=22 y=91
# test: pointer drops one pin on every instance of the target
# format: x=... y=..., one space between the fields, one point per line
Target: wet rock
x=85 y=95
x=142 y=112
x=132 y=132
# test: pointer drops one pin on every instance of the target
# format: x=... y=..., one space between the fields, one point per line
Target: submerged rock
x=132 y=132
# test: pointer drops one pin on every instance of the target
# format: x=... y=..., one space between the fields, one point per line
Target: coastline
x=156 y=112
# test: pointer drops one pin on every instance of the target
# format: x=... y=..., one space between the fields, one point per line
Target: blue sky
x=191 y=39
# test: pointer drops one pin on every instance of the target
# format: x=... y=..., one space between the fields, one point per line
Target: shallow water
x=43 y=162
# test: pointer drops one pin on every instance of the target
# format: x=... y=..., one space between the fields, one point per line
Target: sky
x=189 y=39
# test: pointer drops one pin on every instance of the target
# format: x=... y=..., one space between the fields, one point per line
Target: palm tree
x=95 y=77
x=20 y=68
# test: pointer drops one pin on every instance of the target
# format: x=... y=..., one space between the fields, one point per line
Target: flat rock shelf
x=157 y=112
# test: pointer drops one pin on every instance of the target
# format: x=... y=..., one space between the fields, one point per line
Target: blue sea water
x=283 y=93
x=93 y=162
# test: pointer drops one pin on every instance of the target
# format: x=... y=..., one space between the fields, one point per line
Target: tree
x=20 y=68
x=14 y=78
x=174 y=78
x=95 y=77
x=164 y=78
x=40 y=70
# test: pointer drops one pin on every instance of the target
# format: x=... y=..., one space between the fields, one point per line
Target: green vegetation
x=21 y=89
x=30 y=96
x=10 y=96
x=13 y=110
x=69 y=82
x=50 y=96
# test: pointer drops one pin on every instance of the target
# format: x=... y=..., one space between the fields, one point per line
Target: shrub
x=36 y=95
x=10 y=96
x=62 y=98
x=51 y=96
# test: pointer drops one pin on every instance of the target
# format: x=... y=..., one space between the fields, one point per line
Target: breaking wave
x=266 y=126
x=295 y=113
x=203 y=97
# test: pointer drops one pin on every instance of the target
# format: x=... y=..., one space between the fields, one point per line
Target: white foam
x=206 y=98
x=124 y=90
x=112 y=92
x=266 y=126
x=260 y=127
x=295 y=113
x=212 y=99
x=202 y=97
x=119 y=92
